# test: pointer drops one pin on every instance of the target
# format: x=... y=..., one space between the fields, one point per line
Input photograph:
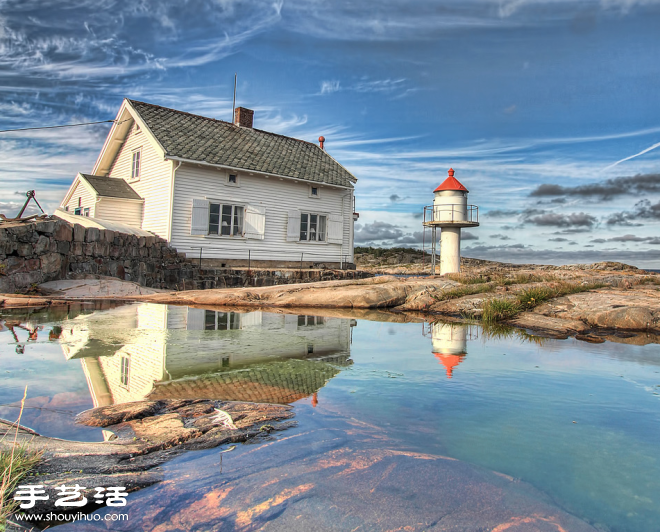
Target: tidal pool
x=572 y=426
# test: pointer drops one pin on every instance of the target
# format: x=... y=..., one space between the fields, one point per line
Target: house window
x=310 y=321
x=312 y=227
x=232 y=179
x=314 y=192
x=225 y=362
x=135 y=168
x=225 y=220
x=124 y=375
x=66 y=208
x=221 y=321
x=86 y=212
x=78 y=211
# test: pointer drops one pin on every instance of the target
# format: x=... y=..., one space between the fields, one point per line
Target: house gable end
x=126 y=118
x=76 y=182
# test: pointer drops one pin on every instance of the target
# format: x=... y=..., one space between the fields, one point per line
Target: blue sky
x=548 y=110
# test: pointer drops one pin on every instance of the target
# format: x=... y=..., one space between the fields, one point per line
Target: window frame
x=78 y=211
x=86 y=212
x=222 y=321
x=232 y=216
x=307 y=222
x=318 y=191
x=136 y=176
x=235 y=183
x=125 y=376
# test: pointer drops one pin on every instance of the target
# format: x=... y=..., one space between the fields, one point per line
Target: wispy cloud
x=650 y=148
x=328 y=87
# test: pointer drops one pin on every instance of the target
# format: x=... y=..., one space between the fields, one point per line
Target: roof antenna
x=233 y=106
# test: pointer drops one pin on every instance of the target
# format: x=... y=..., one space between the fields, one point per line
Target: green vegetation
x=467 y=279
x=15 y=463
x=499 y=309
x=465 y=290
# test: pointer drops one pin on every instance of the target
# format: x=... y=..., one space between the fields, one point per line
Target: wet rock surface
x=142 y=436
x=344 y=476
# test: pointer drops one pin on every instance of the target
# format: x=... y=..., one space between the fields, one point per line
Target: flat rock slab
x=92 y=288
x=637 y=308
x=377 y=292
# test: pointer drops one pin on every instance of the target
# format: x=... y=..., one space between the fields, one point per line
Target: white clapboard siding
x=154 y=183
x=84 y=196
x=277 y=198
x=335 y=229
x=119 y=210
x=255 y=222
x=200 y=217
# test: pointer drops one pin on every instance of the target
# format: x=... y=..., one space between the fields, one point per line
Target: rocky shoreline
x=603 y=300
x=142 y=436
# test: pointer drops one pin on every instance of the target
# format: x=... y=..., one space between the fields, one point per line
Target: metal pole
x=423 y=242
x=233 y=106
x=301 y=261
x=200 y=257
x=249 y=252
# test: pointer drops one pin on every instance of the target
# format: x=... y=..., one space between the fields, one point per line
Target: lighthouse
x=450 y=212
x=449 y=344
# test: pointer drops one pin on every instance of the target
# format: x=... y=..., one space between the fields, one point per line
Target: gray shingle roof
x=111 y=187
x=213 y=141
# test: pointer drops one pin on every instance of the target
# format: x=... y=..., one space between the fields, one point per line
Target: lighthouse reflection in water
x=450 y=343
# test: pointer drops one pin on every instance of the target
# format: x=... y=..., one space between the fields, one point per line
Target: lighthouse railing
x=451 y=213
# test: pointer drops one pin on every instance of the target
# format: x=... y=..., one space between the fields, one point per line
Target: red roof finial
x=451 y=183
x=321 y=141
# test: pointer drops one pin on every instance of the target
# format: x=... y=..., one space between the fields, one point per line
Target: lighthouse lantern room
x=450 y=212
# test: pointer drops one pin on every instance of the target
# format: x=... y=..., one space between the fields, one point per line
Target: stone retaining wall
x=35 y=252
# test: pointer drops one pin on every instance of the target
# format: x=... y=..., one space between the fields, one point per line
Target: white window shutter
x=255 y=222
x=195 y=319
x=200 y=217
x=335 y=229
x=251 y=319
x=293 y=229
x=290 y=322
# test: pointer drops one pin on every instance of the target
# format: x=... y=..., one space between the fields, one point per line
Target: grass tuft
x=465 y=290
x=499 y=309
x=15 y=463
x=467 y=279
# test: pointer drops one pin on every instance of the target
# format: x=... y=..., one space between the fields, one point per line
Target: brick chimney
x=243 y=117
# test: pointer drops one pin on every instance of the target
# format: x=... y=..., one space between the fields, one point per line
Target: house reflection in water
x=450 y=344
x=168 y=352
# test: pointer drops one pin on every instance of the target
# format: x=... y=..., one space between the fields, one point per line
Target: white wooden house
x=226 y=191
x=171 y=352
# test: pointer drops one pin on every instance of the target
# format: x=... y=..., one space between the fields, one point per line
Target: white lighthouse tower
x=450 y=212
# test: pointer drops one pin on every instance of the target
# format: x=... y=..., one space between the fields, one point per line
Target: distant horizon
x=547 y=110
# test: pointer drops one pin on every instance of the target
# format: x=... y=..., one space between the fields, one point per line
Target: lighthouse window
x=312 y=227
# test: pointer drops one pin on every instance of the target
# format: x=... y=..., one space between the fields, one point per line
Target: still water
x=578 y=422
